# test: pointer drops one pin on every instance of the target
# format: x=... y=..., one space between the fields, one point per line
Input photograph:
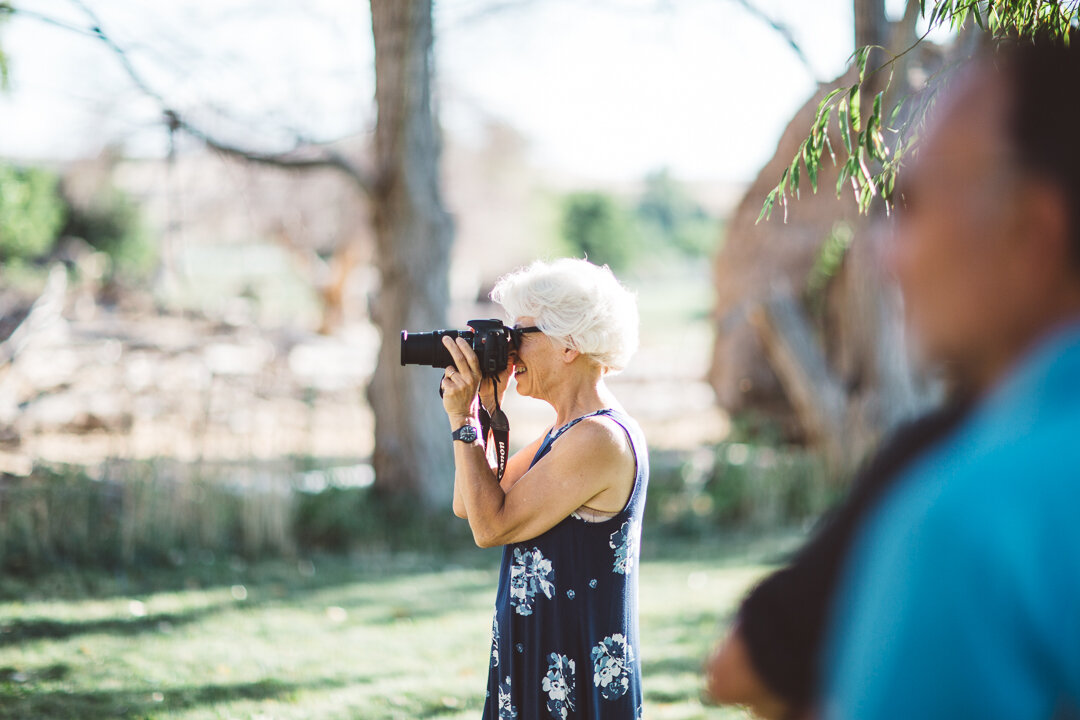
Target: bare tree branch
x=305 y=156
x=9 y=10
x=292 y=159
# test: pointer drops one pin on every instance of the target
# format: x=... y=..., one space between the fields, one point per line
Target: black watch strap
x=466 y=434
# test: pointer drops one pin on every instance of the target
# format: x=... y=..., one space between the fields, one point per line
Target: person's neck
x=581 y=398
x=995 y=366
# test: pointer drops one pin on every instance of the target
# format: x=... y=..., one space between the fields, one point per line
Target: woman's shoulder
x=598 y=431
x=607 y=428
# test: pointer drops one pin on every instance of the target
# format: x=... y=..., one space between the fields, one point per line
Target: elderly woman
x=568 y=509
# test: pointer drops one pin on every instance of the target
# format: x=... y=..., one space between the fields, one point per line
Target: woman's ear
x=570 y=355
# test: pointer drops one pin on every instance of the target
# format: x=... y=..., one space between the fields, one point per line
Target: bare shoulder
x=600 y=437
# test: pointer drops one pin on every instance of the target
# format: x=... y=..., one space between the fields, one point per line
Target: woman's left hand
x=461 y=381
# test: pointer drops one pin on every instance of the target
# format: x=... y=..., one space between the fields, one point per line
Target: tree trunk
x=871 y=23
x=772 y=364
x=413 y=235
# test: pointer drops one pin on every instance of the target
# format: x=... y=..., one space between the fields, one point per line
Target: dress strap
x=554 y=434
x=575 y=421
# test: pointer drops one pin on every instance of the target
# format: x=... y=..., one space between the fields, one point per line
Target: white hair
x=578 y=304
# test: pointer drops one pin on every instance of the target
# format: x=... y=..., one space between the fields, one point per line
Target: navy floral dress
x=565 y=634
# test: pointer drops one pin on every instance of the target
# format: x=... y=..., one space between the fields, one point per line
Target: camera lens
x=426 y=348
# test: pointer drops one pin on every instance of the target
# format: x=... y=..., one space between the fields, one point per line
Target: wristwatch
x=466 y=434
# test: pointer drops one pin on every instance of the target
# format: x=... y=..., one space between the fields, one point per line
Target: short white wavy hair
x=576 y=303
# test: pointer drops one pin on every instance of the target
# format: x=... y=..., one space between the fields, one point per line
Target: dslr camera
x=490 y=340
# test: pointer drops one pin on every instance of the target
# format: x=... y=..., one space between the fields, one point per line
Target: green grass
x=402 y=636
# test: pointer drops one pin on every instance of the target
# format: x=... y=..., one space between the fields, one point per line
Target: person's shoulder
x=600 y=432
x=985 y=486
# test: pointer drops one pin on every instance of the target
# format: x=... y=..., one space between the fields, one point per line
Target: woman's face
x=536 y=360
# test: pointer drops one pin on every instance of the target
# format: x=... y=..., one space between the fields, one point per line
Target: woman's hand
x=461 y=381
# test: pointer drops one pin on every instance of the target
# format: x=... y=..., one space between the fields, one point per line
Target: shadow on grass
x=284 y=578
x=49 y=673
x=405 y=604
x=20 y=631
x=25 y=703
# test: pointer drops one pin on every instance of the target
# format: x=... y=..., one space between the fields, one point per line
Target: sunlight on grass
x=343 y=642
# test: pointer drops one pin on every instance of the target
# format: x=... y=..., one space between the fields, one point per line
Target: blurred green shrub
x=113 y=223
x=347 y=519
x=663 y=224
x=671 y=219
x=736 y=486
x=31 y=213
x=596 y=225
x=143 y=515
x=34 y=215
x=61 y=517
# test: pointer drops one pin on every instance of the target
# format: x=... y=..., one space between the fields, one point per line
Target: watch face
x=467 y=433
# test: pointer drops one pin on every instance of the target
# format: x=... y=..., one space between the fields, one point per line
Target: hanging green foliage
x=875 y=143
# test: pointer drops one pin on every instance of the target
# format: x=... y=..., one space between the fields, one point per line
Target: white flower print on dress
x=612 y=658
x=531 y=573
x=507 y=711
x=624 y=542
x=559 y=685
x=495 y=642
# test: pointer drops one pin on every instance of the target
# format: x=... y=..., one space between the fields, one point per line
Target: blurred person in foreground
x=568 y=510
x=770 y=659
x=932 y=621
x=961 y=597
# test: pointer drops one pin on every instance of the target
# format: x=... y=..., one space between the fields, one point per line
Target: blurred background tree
x=670 y=217
x=5 y=12
x=845 y=376
x=663 y=223
x=32 y=213
x=413 y=235
x=838 y=377
x=595 y=225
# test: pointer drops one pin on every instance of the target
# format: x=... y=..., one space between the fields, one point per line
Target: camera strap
x=499 y=425
x=500 y=433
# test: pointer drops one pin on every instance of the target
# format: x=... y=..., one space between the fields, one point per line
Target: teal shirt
x=961 y=598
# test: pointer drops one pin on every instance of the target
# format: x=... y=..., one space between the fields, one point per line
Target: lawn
x=402 y=636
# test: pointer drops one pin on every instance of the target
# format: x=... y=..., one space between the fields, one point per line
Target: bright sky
x=606 y=89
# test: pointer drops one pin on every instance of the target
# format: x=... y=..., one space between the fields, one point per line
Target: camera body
x=490 y=340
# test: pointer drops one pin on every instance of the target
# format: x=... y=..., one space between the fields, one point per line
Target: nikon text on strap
x=500 y=432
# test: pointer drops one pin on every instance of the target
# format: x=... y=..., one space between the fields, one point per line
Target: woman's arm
x=518 y=463
x=516 y=466
x=732 y=680
x=490 y=395
x=589 y=459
